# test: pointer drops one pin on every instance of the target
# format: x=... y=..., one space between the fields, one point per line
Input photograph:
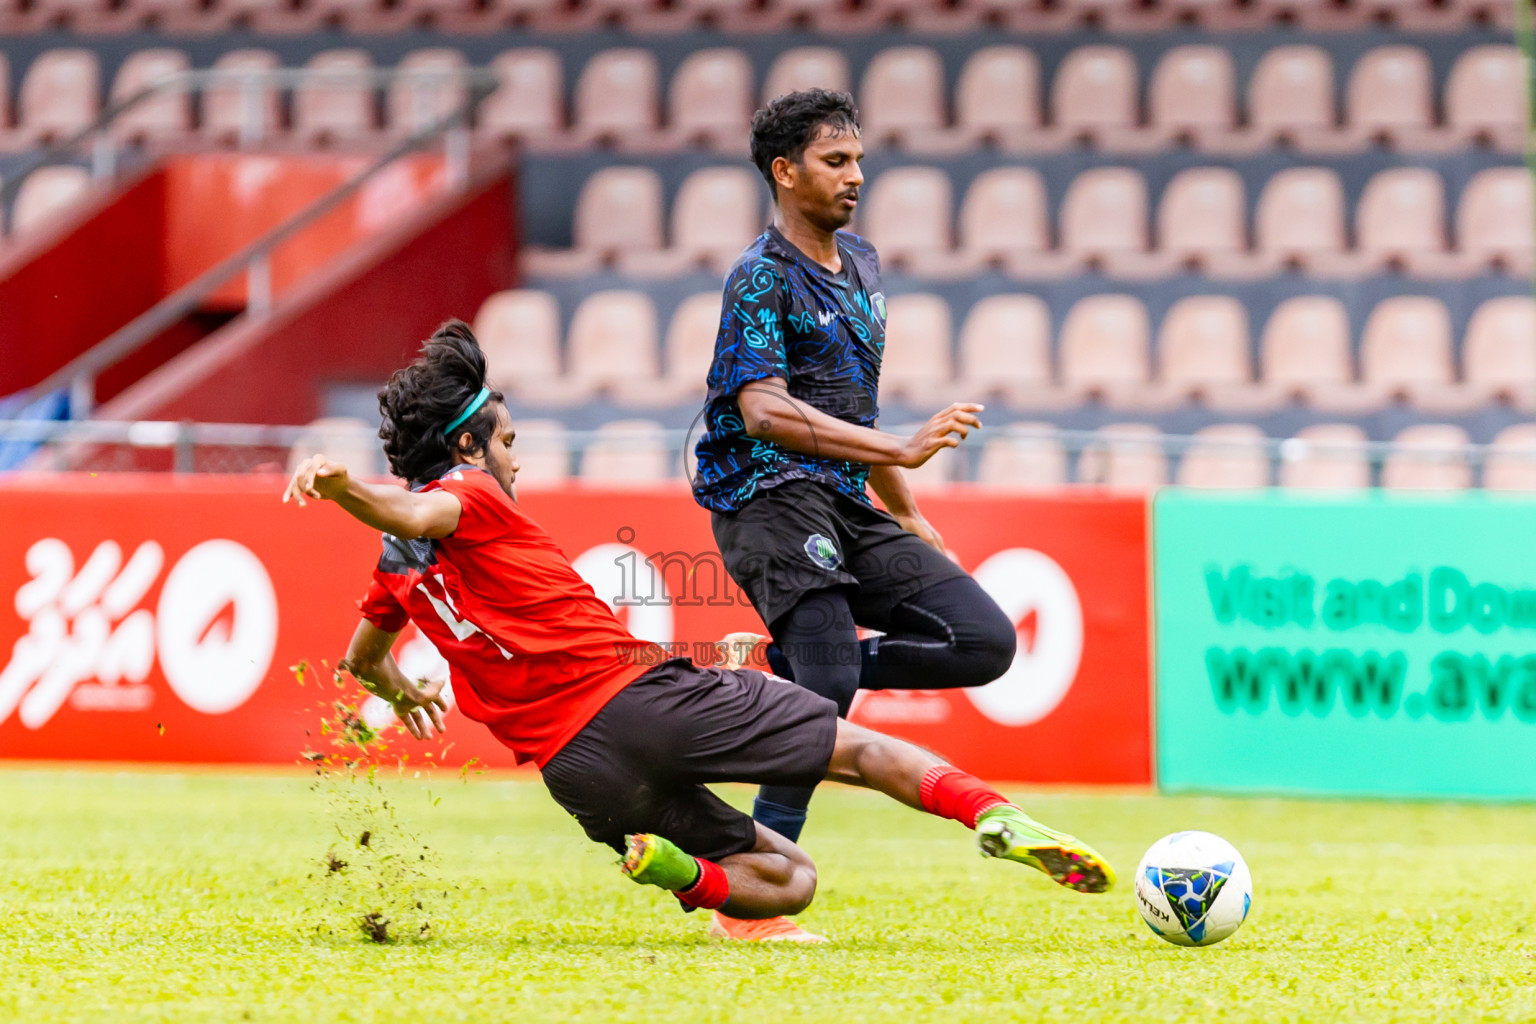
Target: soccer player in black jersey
x=791 y=440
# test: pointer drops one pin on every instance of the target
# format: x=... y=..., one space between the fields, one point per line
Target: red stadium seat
x=1004 y=222
x=1204 y=350
x=1005 y=349
x=46 y=194
x=627 y=452
x=1326 y=457
x=1201 y=219
x=542 y=451
x=1104 y=215
x=60 y=95
x=1193 y=95
x=618 y=213
x=529 y=104
x=690 y=346
x=1226 y=456
x=1406 y=349
x=1291 y=100
x=335 y=112
x=1391 y=96
x=1511 y=460
x=520 y=333
x=616 y=98
x=1305 y=351
x=908 y=216
x=613 y=349
x=1485 y=97
x=165 y=116
x=917 y=364
x=901 y=99
x=806 y=67
x=1094 y=96
x=1106 y=347
x=717 y=213
x=711 y=99
x=1400 y=220
x=1125 y=457
x=413 y=107
x=224 y=113
x=1026 y=457
x=5 y=95
x=997 y=99
x=1499 y=351
x=1300 y=216
x=1494 y=221
x=1428 y=457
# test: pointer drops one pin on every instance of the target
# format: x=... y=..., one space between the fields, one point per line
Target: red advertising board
x=157 y=618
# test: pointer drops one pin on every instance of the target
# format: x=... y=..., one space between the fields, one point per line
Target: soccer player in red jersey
x=626 y=740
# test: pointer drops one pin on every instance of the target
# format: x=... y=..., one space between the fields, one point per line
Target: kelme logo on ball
x=822 y=551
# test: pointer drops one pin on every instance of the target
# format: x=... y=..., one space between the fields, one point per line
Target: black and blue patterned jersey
x=786 y=316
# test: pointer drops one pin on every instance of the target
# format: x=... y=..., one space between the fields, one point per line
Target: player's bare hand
x=917 y=525
x=317 y=477
x=421 y=709
x=945 y=430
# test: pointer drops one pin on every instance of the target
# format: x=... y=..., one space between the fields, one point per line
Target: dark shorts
x=641 y=764
x=802 y=536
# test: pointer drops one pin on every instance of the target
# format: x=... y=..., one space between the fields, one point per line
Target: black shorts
x=641 y=764
x=803 y=535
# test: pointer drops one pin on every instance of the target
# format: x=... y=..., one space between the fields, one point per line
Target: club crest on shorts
x=822 y=551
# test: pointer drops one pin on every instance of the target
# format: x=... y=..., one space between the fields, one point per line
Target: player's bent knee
x=992 y=646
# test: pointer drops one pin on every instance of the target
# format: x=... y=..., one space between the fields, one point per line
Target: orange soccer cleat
x=770 y=929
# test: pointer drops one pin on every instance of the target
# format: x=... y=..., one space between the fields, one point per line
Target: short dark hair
x=421 y=400
x=790 y=123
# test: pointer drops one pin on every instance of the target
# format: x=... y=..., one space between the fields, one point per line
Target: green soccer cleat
x=1009 y=833
x=652 y=860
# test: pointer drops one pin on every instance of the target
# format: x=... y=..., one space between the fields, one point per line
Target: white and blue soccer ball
x=1193 y=888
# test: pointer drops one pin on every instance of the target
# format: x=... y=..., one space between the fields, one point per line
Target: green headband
x=469 y=410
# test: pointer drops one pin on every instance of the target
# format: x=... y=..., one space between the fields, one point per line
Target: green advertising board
x=1380 y=644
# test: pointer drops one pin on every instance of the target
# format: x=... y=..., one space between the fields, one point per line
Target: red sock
x=710 y=890
x=951 y=793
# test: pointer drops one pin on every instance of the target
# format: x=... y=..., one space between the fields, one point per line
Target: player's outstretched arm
x=418 y=705
x=389 y=509
x=889 y=484
x=771 y=413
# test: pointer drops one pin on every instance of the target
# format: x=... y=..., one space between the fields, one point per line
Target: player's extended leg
x=863 y=757
x=774 y=878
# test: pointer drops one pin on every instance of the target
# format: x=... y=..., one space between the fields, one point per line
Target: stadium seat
x=917 y=364
x=1428 y=457
x=335 y=112
x=1204 y=352
x=529 y=104
x=1494 y=222
x=1291 y=98
x=806 y=67
x=997 y=98
x=413 y=107
x=1004 y=223
x=1192 y=98
x=520 y=333
x=1028 y=456
x=627 y=452
x=616 y=99
x=1305 y=351
x=1005 y=349
x=542 y=451
x=1124 y=457
x=345 y=439
x=1299 y=220
x=1400 y=222
x=60 y=95
x=1499 y=351
x=1226 y=456
x=717 y=213
x=224 y=113
x=1510 y=464
x=618 y=213
x=1201 y=220
x=1391 y=97
x=47 y=193
x=1104 y=218
x=908 y=216
x=77 y=16
x=1326 y=457
x=1405 y=350
x=711 y=100
x=901 y=99
x=690 y=346
x=612 y=348
x=1104 y=348
x=163 y=117
x=1485 y=98
x=1094 y=98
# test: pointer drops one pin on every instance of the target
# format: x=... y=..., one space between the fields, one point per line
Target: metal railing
x=254 y=261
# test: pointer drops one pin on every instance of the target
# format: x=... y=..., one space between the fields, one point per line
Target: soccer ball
x=1193 y=888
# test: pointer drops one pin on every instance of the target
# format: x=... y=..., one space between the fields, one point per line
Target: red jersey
x=534 y=653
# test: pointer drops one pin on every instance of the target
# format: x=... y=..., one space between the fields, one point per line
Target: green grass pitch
x=166 y=896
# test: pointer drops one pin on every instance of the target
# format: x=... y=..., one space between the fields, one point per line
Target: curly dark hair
x=421 y=400
x=790 y=123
